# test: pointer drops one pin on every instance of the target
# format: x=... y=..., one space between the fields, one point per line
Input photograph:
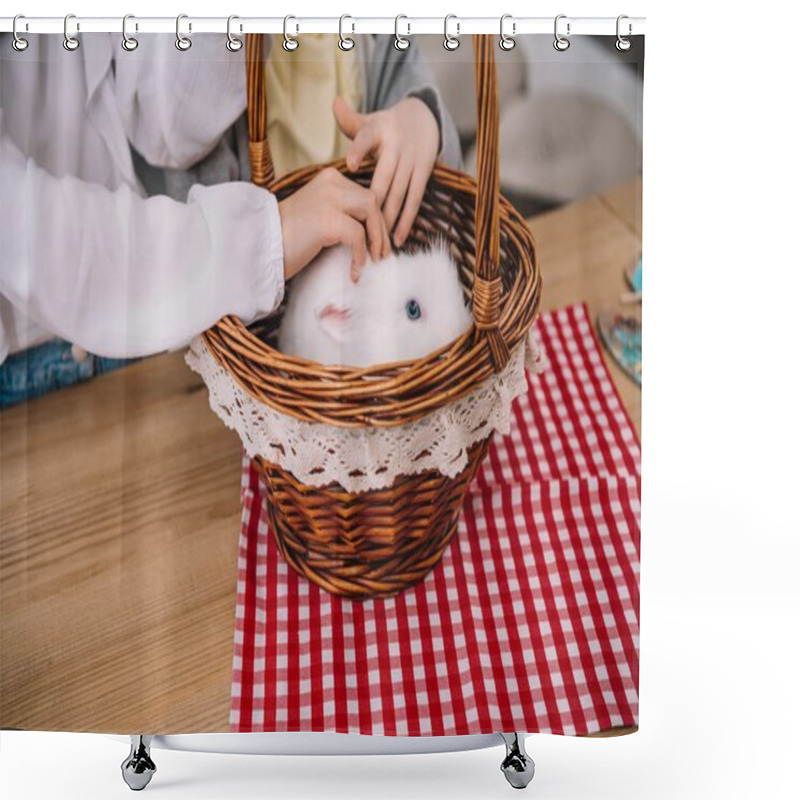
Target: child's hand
x=331 y=209
x=405 y=141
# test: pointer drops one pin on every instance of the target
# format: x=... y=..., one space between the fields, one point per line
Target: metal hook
x=290 y=44
x=182 y=42
x=18 y=43
x=233 y=44
x=70 y=42
x=451 y=42
x=400 y=42
x=129 y=43
x=561 y=43
x=623 y=43
x=345 y=42
x=507 y=42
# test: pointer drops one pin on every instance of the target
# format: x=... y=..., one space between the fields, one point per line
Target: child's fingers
x=385 y=170
x=377 y=235
x=394 y=201
x=416 y=191
x=349 y=120
x=382 y=243
x=362 y=204
x=387 y=243
x=367 y=139
x=353 y=236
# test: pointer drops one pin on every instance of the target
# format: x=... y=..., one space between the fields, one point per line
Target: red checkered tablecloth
x=530 y=621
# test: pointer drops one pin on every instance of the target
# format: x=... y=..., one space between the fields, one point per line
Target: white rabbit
x=402 y=307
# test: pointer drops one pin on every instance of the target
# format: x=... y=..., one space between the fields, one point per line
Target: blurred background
x=570 y=122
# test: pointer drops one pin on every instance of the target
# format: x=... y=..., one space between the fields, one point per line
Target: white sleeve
x=176 y=105
x=123 y=276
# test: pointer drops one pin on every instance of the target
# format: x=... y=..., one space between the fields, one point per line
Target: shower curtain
x=143 y=583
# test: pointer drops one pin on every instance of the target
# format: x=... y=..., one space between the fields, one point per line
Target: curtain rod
x=515 y=26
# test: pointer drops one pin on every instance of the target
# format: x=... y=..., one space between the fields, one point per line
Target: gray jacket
x=390 y=76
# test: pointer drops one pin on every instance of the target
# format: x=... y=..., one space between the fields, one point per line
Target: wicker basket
x=379 y=542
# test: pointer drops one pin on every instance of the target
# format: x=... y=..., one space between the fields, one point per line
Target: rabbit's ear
x=335 y=321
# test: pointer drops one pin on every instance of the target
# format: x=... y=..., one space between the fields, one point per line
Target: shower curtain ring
x=400 y=42
x=290 y=44
x=70 y=42
x=345 y=42
x=183 y=43
x=561 y=43
x=18 y=43
x=451 y=42
x=623 y=43
x=129 y=43
x=233 y=44
x=507 y=42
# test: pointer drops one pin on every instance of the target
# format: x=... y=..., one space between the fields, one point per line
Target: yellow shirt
x=301 y=87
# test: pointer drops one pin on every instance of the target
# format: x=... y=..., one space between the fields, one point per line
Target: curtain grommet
x=18 y=43
x=346 y=43
x=290 y=44
x=129 y=43
x=233 y=44
x=401 y=42
x=450 y=42
x=183 y=43
x=507 y=42
x=561 y=43
x=71 y=43
x=623 y=43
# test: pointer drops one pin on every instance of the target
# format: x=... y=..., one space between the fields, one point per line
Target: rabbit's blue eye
x=413 y=310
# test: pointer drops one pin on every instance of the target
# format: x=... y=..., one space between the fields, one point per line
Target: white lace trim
x=366 y=458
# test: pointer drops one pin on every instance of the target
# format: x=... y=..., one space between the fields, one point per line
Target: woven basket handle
x=261 y=166
x=487 y=287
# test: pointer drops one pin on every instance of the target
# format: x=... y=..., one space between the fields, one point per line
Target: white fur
x=372 y=325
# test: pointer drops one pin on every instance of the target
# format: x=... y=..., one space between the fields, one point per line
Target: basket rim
x=383 y=394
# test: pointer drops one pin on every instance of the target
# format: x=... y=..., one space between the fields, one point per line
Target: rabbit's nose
x=332 y=313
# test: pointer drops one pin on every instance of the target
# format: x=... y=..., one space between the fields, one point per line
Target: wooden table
x=584 y=249
x=119 y=521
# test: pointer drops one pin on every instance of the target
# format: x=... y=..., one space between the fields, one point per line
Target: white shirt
x=84 y=255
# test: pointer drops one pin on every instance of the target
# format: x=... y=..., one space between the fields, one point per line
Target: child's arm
x=122 y=276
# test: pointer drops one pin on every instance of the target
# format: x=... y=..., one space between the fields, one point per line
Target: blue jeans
x=47 y=367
